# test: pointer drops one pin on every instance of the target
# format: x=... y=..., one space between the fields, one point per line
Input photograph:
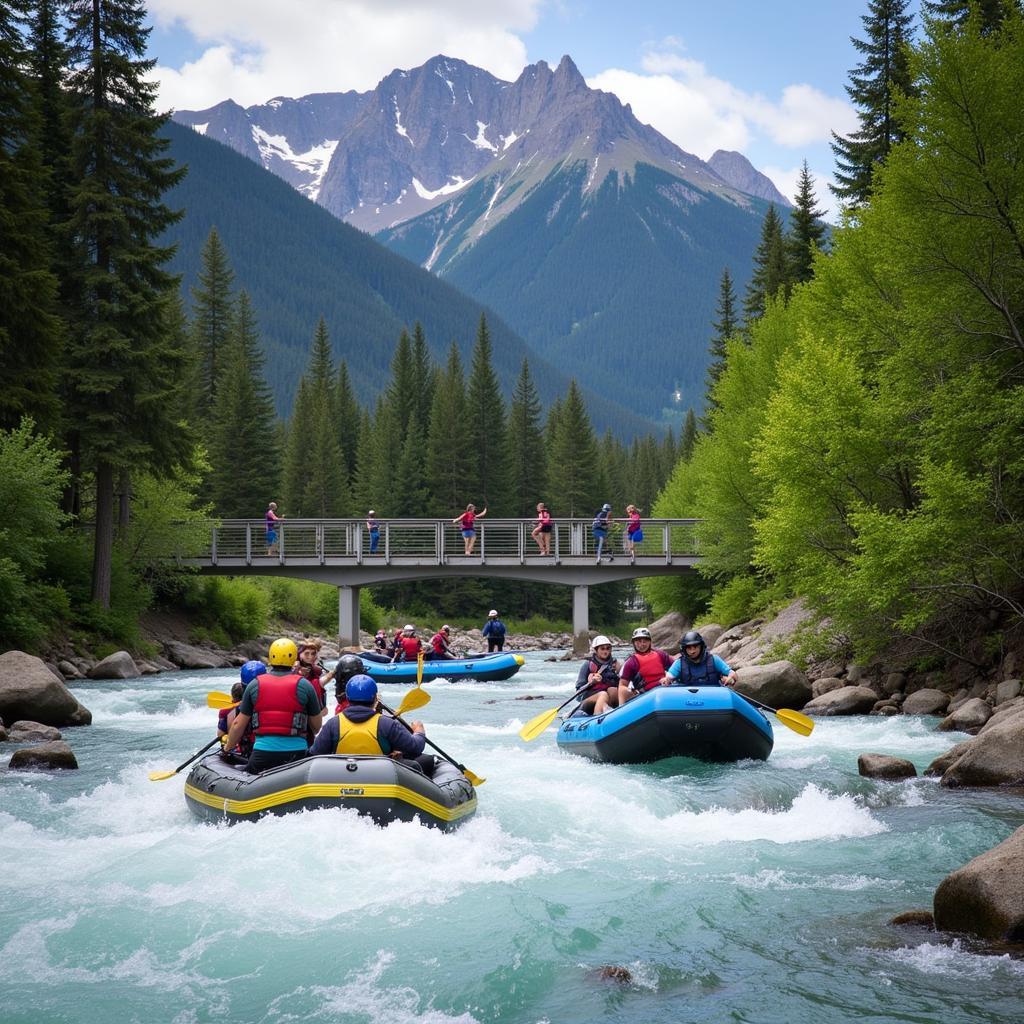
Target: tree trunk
x=103 y=544
x=72 y=499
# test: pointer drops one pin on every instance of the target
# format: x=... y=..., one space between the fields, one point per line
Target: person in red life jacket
x=598 y=681
x=281 y=706
x=348 y=665
x=439 y=648
x=250 y=670
x=362 y=729
x=466 y=523
x=645 y=668
x=697 y=666
x=409 y=645
x=542 y=531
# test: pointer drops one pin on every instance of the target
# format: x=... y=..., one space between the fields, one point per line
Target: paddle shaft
x=544 y=719
x=185 y=764
x=430 y=743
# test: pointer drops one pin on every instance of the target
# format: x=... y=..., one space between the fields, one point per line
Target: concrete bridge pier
x=580 y=620
x=348 y=616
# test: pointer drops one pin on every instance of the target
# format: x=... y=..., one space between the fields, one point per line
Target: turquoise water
x=754 y=892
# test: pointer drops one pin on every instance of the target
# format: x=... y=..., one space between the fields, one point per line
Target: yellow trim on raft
x=519 y=658
x=341 y=792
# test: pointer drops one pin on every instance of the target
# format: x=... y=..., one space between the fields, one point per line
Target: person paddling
x=645 y=668
x=409 y=645
x=598 y=679
x=440 y=647
x=697 y=666
x=249 y=671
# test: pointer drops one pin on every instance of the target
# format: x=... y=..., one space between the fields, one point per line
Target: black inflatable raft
x=379 y=787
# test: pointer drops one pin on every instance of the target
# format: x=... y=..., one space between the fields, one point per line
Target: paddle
x=791 y=719
x=220 y=701
x=160 y=776
x=535 y=726
x=410 y=702
x=474 y=778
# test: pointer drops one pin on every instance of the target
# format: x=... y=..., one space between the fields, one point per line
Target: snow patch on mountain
x=201 y=128
x=398 y=122
x=454 y=185
x=481 y=141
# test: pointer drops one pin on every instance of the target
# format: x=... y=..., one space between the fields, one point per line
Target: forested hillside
x=865 y=439
x=299 y=263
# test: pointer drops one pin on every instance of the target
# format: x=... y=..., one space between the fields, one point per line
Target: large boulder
x=119 y=665
x=28 y=689
x=47 y=755
x=780 y=684
x=69 y=670
x=847 y=700
x=926 y=702
x=985 y=897
x=826 y=684
x=711 y=632
x=32 y=732
x=995 y=757
x=948 y=759
x=970 y=716
x=186 y=656
x=882 y=766
x=666 y=631
x=1007 y=690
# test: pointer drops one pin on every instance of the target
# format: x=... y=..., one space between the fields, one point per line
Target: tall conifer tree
x=213 y=311
x=768 y=280
x=806 y=229
x=990 y=13
x=125 y=370
x=525 y=446
x=402 y=393
x=572 y=485
x=423 y=366
x=485 y=422
x=449 y=450
x=349 y=419
x=874 y=83
x=688 y=438
x=725 y=326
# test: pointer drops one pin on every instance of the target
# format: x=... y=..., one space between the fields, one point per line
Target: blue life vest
x=703 y=673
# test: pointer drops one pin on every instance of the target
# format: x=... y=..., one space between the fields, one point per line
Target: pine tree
x=349 y=419
x=244 y=456
x=485 y=422
x=449 y=448
x=423 y=367
x=768 y=280
x=689 y=437
x=30 y=331
x=572 y=487
x=297 y=445
x=402 y=389
x=991 y=13
x=874 y=83
x=669 y=452
x=524 y=446
x=125 y=370
x=411 y=498
x=725 y=326
x=806 y=230
x=212 y=315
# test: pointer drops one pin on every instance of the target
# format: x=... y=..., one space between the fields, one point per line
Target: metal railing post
x=213 y=546
x=387 y=543
x=666 y=531
x=280 y=546
x=557 y=531
x=522 y=538
x=248 y=543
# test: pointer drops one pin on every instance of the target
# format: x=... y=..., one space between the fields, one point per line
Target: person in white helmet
x=494 y=632
x=645 y=668
x=598 y=681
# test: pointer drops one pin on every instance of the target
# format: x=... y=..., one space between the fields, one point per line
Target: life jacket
x=360 y=737
x=703 y=673
x=609 y=677
x=278 y=711
x=544 y=519
x=440 y=643
x=315 y=672
x=248 y=737
x=650 y=670
x=494 y=628
x=410 y=647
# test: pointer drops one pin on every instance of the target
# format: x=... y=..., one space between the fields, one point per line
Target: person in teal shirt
x=697 y=666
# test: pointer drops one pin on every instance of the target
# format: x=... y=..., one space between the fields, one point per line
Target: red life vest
x=411 y=647
x=651 y=669
x=440 y=643
x=609 y=677
x=278 y=710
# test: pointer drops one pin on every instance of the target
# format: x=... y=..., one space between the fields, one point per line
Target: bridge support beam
x=348 y=616
x=580 y=620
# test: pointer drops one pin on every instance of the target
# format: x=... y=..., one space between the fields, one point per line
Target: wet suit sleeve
x=410 y=744
x=326 y=741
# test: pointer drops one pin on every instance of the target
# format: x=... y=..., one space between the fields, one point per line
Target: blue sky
x=765 y=78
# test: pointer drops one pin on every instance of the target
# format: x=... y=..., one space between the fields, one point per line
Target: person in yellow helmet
x=281 y=706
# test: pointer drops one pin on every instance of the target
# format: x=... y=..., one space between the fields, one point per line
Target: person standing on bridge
x=467 y=523
x=373 y=529
x=542 y=531
x=494 y=632
x=634 y=531
x=599 y=528
x=272 y=519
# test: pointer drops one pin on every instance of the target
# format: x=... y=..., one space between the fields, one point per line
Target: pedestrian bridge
x=337 y=551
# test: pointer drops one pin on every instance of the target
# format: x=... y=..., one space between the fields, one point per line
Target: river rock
x=711 y=633
x=119 y=665
x=69 y=670
x=985 y=897
x=893 y=683
x=780 y=684
x=1007 y=690
x=847 y=700
x=186 y=656
x=926 y=702
x=995 y=757
x=882 y=766
x=968 y=717
x=914 y=919
x=666 y=631
x=3 y=732
x=28 y=689
x=32 y=732
x=826 y=685
x=946 y=760
x=47 y=755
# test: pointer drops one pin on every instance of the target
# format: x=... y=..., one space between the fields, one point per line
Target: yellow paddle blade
x=160 y=776
x=413 y=699
x=795 y=721
x=419 y=669
x=535 y=726
x=475 y=779
x=220 y=700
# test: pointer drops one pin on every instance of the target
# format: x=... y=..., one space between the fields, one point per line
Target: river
x=752 y=892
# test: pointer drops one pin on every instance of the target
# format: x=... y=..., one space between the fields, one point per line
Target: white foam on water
x=777 y=879
x=955 y=961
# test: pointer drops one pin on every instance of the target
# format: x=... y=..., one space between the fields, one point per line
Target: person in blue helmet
x=362 y=729
x=250 y=670
x=697 y=666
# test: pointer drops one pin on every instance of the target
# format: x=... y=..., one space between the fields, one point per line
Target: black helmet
x=692 y=637
x=349 y=665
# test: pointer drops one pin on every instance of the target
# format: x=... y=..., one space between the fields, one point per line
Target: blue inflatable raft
x=486 y=668
x=710 y=723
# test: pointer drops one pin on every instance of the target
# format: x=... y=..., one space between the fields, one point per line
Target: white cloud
x=263 y=48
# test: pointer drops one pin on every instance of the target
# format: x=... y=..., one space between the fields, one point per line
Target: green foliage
x=213 y=316
x=806 y=230
x=524 y=446
x=770 y=279
x=736 y=600
x=234 y=608
x=572 y=456
x=485 y=422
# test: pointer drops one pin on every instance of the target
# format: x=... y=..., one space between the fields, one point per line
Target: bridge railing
x=437 y=541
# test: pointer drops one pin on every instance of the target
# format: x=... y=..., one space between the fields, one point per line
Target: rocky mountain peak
x=736 y=170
